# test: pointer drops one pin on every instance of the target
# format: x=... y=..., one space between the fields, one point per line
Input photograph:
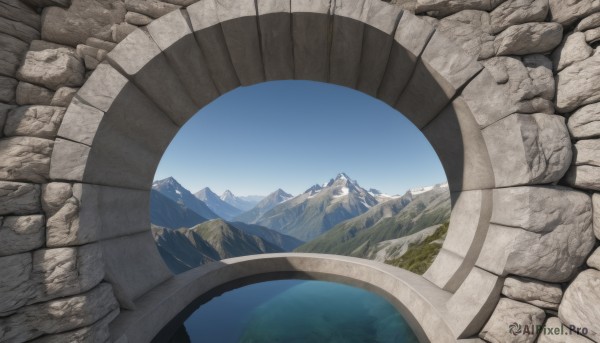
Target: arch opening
x=338 y=171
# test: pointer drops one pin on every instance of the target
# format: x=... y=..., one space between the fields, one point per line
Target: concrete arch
x=122 y=119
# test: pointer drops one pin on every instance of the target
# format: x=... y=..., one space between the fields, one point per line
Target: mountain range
x=319 y=208
x=214 y=240
x=265 y=205
x=338 y=217
x=167 y=213
x=170 y=188
x=244 y=203
x=398 y=217
x=221 y=208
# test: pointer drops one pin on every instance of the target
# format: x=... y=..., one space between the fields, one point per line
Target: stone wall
x=538 y=53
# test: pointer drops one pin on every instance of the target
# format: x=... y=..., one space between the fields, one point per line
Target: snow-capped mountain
x=319 y=208
x=218 y=206
x=390 y=220
x=264 y=206
x=170 y=188
x=244 y=203
x=416 y=191
x=382 y=197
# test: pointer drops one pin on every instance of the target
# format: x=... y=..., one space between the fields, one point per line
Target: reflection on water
x=294 y=311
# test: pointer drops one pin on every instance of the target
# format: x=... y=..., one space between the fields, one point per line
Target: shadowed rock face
x=493 y=127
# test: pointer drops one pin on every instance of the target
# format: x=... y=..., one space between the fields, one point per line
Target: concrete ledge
x=424 y=302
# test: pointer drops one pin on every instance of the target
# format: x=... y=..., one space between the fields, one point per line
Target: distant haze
x=293 y=134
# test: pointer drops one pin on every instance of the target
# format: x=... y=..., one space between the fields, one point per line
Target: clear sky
x=293 y=134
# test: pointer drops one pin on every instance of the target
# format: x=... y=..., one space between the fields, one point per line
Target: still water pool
x=297 y=311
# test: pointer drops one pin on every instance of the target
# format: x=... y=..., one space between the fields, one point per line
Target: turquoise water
x=295 y=311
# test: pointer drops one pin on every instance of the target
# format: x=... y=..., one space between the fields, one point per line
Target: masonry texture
x=92 y=92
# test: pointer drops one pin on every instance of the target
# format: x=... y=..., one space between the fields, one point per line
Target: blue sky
x=293 y=134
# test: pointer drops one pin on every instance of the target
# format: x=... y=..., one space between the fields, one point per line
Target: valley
x=335 y=217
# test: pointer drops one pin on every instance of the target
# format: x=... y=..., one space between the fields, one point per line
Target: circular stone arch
x=122 y=119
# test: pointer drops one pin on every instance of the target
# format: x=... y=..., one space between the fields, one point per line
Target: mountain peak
x=206 y=190
x=227 y=193
x=342 y=176
x=170 y=181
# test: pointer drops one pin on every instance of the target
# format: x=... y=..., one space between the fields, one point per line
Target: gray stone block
x=458 y=142
x=59 y=315
x=34 y=121
x=310 y=19
x=68 y=160
x=65 y=271
x=100 y=44
x=442 y=70
x=63 y=96
x=586 y=152
x=133 y=121
x=18 y=30
x=581 y=304
x=21 y=234
x=540 y=256
x=16 y=287
x=540 y=209
x=7 y=89
x=583 y=177
x=545 y=144
x=153 y=8
x=590 y=22
x=87 y=213
x=410 y=39
x=530 y=242
x=468 y=228
x=508 y=85
x=25 y=159
x=275 y=23
x=19 y=198
x=139 y=51
x=510 y=312
x=514 y=12
x=209 y=35
x=97 y=332
x=573 y=49
x=346 y=50
x=80 y=122
x=529 y=38
x=594 y=260
x=30 y=94
x=118 y=32
x=381 y=24
x=578 y=85
x=448 y=270
x=52 y=68
x=568 y=13
x=242 y=39
x=137 y=19
x=20 y=12
x=583 y=123
x=442 y=8
x=541 y=294
x=102 y=87
x=470 y=30
x=11 y=54
x=83 y=19
x=174 y=37
x=133 y=266
x=473 y=302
